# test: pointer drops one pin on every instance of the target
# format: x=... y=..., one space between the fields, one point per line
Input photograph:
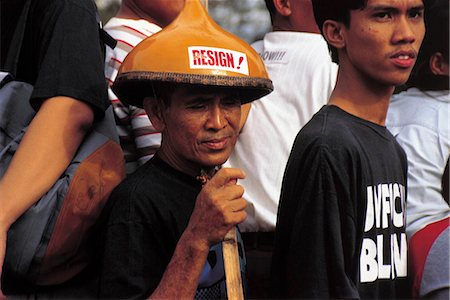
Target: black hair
x=162 y=92
x=271 y=8
x=336 y=10
x=436 y=40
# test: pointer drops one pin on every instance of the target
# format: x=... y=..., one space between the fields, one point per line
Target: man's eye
x=383 y=16
x=416 y=14
x=231 y=102
x=197 y=106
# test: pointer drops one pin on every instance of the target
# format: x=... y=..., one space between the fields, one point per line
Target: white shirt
x=420 y=123
x=303 y=75
x=138 y=138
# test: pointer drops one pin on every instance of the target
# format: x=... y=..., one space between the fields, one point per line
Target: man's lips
x=403 y=59
x=216 y=143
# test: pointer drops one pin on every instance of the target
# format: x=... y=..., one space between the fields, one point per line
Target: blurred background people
x=135 y=20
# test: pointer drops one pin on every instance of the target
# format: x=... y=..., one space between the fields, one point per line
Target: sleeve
x=134 y=258
x=319 y=248
x=69 y=55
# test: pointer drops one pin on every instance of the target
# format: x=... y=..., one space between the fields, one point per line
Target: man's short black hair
x=271 y=8
x=336 y=10
x=436 y=40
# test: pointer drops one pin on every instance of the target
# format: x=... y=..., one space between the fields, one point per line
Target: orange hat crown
x=193 y=49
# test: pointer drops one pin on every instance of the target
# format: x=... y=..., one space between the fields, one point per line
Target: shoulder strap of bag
x=106 y=126
x=105 y=38
x=14 y=50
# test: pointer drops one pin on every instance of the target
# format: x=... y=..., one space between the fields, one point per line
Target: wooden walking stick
x=230 y=252
x=232 y=266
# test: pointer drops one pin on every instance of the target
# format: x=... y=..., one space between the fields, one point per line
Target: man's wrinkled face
x=201 y=127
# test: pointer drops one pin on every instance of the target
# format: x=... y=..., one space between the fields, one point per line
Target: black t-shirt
x=341 y=222
x=145 y=217
x=61 y=52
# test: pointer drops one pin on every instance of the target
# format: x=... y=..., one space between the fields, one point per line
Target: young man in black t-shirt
x=341 y=221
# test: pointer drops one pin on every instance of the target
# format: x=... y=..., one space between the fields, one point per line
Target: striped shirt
x=138 y=138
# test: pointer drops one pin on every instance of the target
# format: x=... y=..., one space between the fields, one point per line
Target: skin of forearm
x=180 y=280
x=47 y=148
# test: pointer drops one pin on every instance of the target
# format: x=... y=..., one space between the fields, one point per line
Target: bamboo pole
x=230 y=251
x=232 y=266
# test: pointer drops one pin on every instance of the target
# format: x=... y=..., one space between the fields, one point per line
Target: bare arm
x=180 y=279
x=45 y=151
x=218 y=208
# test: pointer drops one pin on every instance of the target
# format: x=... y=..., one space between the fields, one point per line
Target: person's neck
x=183 y=166
x=305 y=29
x=307 y=24
x=362 y=97
x=130 y=11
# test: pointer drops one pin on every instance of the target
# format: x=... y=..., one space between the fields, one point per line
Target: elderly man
x=165 y=222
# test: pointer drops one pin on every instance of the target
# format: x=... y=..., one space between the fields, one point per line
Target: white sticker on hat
x=212 y=58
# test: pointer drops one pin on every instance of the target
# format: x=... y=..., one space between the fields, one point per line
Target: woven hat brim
x=132 y=87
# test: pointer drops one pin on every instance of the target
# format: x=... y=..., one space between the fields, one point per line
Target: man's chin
x=214 y=160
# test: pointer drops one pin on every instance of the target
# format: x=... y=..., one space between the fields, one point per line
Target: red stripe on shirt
x=135 y=30
x=125 y=43
x=116 y=60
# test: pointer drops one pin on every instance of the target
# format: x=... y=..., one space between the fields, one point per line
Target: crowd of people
x=326 y=144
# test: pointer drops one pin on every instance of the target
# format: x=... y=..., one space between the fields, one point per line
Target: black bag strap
x=105 y=38
x=14 y=50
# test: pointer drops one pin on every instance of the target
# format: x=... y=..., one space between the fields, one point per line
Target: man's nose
x=216 y=118
x=405 y=31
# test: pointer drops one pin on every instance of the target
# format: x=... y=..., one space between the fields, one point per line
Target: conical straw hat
x=193 y=49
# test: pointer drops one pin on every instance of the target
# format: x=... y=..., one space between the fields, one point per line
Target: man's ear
x=153 y=108
x=438 y=64
x=283 y=7
x=333 y=33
